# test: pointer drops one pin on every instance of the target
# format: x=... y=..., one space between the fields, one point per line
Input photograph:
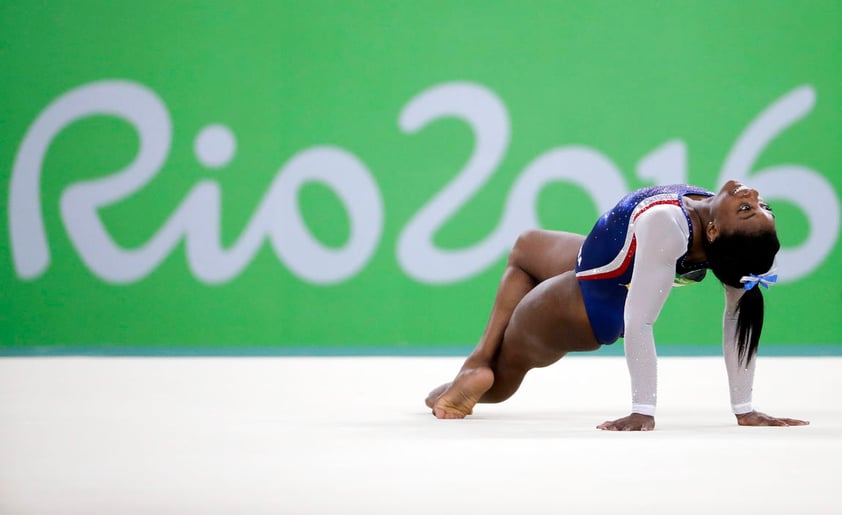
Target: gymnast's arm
x=661 y=234
x=740 y=375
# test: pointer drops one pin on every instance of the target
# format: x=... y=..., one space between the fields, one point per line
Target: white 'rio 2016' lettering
x=278 y=217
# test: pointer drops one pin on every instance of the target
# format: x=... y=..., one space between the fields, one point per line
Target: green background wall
x=254 y=105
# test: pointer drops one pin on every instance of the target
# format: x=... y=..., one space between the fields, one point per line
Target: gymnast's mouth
x=740 y=188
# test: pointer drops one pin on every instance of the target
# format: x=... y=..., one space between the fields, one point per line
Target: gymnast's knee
x=503 y=388
x=521 y=247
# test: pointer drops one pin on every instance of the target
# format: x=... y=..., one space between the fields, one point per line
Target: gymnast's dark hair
x=733 y=256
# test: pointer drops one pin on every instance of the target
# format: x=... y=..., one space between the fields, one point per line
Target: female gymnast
x=563 y=292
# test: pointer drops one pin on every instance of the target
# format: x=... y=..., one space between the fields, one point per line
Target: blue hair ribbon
x=764 y=280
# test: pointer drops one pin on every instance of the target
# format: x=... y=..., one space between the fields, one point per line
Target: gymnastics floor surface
x=351 y=435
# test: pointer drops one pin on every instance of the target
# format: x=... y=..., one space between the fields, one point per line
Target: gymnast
x=563 y=292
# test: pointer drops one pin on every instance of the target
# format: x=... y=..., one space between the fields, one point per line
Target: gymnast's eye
x=744 y=207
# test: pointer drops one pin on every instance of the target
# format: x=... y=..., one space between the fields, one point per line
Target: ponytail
x=732 y=257
x=749 y=324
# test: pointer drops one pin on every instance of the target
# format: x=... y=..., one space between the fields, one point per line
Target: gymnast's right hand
x=634 y=422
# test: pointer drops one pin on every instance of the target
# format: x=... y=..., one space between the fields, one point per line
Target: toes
x=445 y=414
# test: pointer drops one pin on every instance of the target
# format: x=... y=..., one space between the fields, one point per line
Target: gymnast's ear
x=711 y=232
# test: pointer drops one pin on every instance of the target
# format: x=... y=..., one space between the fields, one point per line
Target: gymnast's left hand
x=755 y=418
x=634 y=422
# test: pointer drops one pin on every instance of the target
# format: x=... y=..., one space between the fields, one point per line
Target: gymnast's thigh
x=549 y=322
x=544 y=254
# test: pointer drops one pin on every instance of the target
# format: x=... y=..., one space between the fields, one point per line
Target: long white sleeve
x=740 y=377
x=661 y=234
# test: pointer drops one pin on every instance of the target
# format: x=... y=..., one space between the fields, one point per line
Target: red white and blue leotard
x=606 y=260
x=626 y=268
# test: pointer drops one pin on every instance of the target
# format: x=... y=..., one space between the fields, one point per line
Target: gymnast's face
x=739 y=209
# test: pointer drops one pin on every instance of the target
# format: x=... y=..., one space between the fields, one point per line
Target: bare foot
x=460 y=396
x=434 y=395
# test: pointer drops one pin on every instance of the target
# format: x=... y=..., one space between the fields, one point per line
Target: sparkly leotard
x=606 y=260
